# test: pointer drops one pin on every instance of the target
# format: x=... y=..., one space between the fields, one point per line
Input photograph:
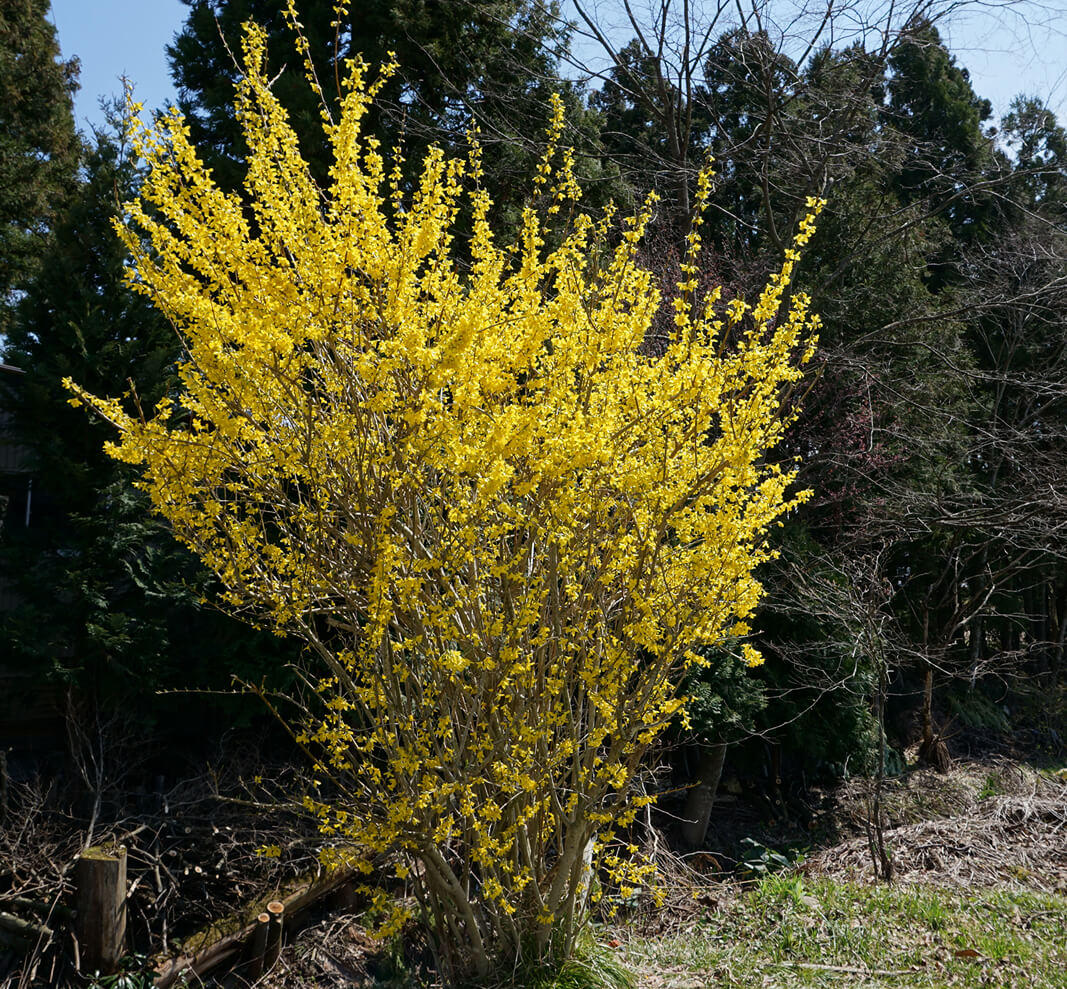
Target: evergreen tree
x=1039 y=143
x=106 y=600
x=460 y=64
x=38 y=145
x=931 y=101
x=1018 y=281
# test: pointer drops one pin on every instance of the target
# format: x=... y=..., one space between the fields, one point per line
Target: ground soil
x=990 y=821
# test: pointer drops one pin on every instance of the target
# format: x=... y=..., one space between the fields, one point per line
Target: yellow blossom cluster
x=447 y=465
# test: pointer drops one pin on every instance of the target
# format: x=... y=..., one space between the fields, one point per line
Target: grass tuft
x=594 y=966
x=796 y=931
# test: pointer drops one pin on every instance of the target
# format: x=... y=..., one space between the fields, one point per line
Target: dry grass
x=980 y=899
x=988 y=824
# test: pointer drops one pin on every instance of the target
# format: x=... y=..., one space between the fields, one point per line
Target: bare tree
x=949 y=375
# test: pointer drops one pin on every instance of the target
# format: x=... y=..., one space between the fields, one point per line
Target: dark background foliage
x=931 y=556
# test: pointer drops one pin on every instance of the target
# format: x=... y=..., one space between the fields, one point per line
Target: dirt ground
x=991 y=822
x=988 y=822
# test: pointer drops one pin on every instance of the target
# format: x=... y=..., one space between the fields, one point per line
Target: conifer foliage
x=39 y=149
x=107 y=602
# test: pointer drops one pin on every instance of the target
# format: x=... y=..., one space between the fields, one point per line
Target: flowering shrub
x=501 y=528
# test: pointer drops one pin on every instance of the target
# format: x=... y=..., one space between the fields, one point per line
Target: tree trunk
x=1048 y=637
x=932 y=750
x=701 y=797
x=1061 y=639
x=883 y=863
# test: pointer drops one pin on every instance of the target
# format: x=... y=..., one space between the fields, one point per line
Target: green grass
x=787 y=931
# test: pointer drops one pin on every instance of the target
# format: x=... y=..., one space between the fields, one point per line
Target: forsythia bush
x=451 y=471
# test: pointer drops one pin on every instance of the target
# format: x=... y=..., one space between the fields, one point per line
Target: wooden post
x=101 y=922
x=257 y=946
x=276 y=910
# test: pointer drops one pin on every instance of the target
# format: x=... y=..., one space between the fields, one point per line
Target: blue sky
x=1005 y=52
x=116 y=37
x=1012 y=50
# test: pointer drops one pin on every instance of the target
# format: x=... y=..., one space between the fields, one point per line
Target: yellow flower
x=455 y=473
x=751 y=655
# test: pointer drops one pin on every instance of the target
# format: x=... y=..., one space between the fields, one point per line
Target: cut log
x=39 y=907
x=204 y=953
x=276 y=911
x=22 y=932
x=101 y=919
x=256 y=948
